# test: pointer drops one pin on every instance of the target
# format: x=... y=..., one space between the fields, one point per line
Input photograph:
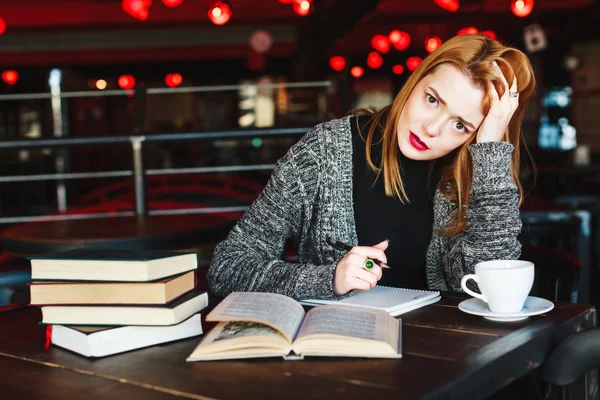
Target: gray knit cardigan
x=309 y=197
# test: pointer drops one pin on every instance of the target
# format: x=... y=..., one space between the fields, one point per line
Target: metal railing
x=188 y=89
x=138 y=173
x=137 y=142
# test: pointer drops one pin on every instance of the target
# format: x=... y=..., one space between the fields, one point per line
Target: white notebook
x=395 y=301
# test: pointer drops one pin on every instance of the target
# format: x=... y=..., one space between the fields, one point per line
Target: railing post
x=139 y=175
x=61 y=155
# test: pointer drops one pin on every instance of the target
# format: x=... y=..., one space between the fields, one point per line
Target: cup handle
x=463 y=284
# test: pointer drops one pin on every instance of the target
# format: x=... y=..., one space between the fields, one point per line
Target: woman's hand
x=494 y=125
x=350 y=273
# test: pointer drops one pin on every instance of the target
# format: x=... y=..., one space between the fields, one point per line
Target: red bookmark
x=48 y=337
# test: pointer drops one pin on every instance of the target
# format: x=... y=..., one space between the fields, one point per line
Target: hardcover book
x=99 y=342
x=80 y=292
x=273 y=325
x=170 y=314
x=111 y=265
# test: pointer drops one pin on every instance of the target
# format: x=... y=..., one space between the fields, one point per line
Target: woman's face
x=441 y=113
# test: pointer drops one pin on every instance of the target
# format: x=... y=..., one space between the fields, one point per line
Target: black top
x=378 y=217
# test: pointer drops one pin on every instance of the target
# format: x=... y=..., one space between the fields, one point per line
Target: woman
x=435 y=173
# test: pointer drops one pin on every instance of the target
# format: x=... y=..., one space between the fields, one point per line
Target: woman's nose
x=433 y=126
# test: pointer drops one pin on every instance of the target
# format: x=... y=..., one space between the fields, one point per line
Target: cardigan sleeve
x=249 y=259
x=493 y=220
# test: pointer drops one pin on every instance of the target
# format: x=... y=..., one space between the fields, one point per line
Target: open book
x=270 y=325
x=395 y=301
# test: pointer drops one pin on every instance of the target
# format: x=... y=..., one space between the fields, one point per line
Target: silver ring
x=369 y=264
x=514 y=94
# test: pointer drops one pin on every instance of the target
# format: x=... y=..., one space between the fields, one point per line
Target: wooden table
x=447 y=355
x=151 y=232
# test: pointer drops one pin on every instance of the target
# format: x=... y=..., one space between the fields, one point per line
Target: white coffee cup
x=504 y=284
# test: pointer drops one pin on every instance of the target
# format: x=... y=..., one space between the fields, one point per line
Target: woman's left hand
x=494 y=125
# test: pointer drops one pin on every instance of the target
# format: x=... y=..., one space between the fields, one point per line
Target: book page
x=241 y=330
x=348 y=321
x=235 y=330
x=275 y=310
x=236 y=339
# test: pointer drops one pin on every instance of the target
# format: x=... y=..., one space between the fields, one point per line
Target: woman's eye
x=431 y=99
x=460 y=126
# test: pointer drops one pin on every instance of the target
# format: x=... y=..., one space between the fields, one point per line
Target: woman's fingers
x=369 y=252
x=358 y=262
x=494 y=93
x=514 y=94
x=360 y=284
x=510 y=93
x=361 y=279
x=495 y=106
x=382 y=245
x=504 y=81
x=367 y=276
x=352 y=272
x=513 y=87
x=497 y=68
x=495 y=124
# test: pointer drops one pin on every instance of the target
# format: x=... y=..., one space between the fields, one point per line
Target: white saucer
x=533 y=306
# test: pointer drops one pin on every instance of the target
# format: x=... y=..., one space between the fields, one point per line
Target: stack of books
x=103 y=302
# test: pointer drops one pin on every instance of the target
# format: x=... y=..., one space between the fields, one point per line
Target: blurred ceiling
x=27 y=15
x=45 y=32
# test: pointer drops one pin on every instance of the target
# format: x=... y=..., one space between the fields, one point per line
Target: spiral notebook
x=395 y=301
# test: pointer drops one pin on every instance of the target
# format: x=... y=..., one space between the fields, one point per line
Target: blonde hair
x=472 y=55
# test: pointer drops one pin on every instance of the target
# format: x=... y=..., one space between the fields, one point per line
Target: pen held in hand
x=343 y=246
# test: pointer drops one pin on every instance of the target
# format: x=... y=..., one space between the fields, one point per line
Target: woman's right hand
x=350 y=272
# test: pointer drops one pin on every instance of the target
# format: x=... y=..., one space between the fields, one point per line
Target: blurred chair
x=575 y=356
x=557 y=230
x=591 y=205
x=556 y=273
x=566 y=231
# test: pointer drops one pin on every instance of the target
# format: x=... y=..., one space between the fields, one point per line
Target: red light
x=381 y=43
x=400 y=39
x=489 y=33
x=219 y=13
x=302 y=7
x=398 y=69
x=126 y=82
x=413 y=62
x=448 y=5
x=173 y=80
x=374 y=60
x=337 y=63
x=357 y=72
x=172 y=3
x=256 y=61
x=10 y=77
x=2 y=26
x=468 y=30
x=521 y=8
x=432 y=43
x=285 y=1
x=138 y=9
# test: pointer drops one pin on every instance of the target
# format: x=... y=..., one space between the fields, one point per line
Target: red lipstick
x=417 y=143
